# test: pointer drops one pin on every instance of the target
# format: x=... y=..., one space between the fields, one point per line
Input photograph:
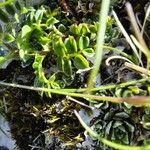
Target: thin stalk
x=145 y=51
x=146 y=18
x=54 y=91
x=116 y=57
x=107 y=142
x=127 y=38
x=78 y=102
x=138 y=68
x=135 y=26
x=103 y=87
x=135 y=100
x=117 y=51
x=142 y=26
x=100 y=40
x=108 y=87
x=6 y=3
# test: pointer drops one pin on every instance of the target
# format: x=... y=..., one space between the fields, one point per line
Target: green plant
x=42 y=35
x=43 y=38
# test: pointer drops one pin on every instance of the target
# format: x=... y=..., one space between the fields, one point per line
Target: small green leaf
x=10 y=9
x=60 y=63
x=80 y=62
x=88 y=52
x=71 y=45
x=93 y=29
x=62 y=28
x=122 y=115
x=118 y=92
x=17 y=5
x=1 y=32
x=25 y=30
x=2 y=58
x=8 y=38
x=25 y=10
x=130 y=127
x=127 y=93
x=117 y=124
x=6 y=60
x=4 y=16
x=50 y=22
x=55 y=85
x=13 y=32
x=37 y=64
x=74 y=29
x=59 y=48
x=22 y=54
x=17 y=18
x=67 y=67
x=52 y=78
x=83 y=29
x=39 y=14
x=108 y=127
x=109 y=115
x=134 y=89
x=93 y=36
x=96 y=24
x=84 y=42
x=44 y=40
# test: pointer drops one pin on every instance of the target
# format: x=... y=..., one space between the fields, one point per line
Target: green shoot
x=100 y=41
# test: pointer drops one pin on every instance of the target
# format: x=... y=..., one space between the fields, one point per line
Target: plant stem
x=127 y=38
x=135 y=100
x=118 y=51
x=138 y=68
x=135 y=25
x=103 y=87
x=108 y=87
x=100 y=40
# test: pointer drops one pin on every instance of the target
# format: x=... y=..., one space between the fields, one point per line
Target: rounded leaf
x=80 y=62
x=67 y=67
x=83 y=29
x=84 y=42
x=62 y=28
x=25 y=30
x=39 y=14
x=51 y=21
x=88 y=52
x=74 y=29
x=59 y=48
x=93 y=29
x=71 y=45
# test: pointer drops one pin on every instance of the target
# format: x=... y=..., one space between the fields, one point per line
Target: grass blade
x=100 y=41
